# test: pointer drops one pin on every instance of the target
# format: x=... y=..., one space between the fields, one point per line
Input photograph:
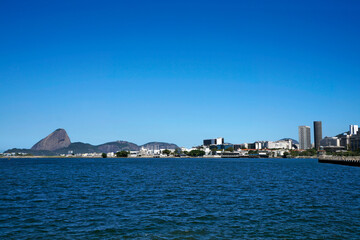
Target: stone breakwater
x=350 y=161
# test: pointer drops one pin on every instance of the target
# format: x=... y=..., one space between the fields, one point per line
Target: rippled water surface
x=178 y=199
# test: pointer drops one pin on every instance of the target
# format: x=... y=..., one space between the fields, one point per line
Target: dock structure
x=350 y=161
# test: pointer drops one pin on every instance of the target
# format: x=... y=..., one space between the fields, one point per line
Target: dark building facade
x=208 y=142
x=251 y=146
x=317 y=134
x=237 y=147
x=225 y=146
x=355 y=142
x=345 y=141
x=215 y=141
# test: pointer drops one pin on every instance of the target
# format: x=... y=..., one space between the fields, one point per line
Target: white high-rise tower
x=354 y=129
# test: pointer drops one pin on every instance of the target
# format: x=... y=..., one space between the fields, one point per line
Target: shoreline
x=207 y=157
x=349 y=161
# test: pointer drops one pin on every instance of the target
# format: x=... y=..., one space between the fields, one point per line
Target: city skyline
x=177 y=72
x=58 y=143
x=305 y=134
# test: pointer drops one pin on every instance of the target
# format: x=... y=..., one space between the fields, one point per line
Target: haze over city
x=177 y=72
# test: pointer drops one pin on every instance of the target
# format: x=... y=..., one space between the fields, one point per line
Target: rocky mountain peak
x=56 y=140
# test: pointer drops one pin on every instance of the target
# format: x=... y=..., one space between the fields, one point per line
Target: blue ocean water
x=178 y=199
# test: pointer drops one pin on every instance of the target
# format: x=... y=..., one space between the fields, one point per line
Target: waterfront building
x=251 y=146
x=207 y=151
x=219 y=141
x=225 y=146
x=345 y=141
x=259 y=145
x=134 y=154
x=215 y=141
x=184 y=149
x=330 y=142
x=281 y=144
x=304 y=137
x=317 y=134
x=355 y=142
x=237 y=147
x=208 y=142
x=354 y=129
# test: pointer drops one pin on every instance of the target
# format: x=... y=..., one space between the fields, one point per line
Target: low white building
x=134 y=154
x=207 y=151
x=330 y=142
x=184 y=149
x=282 y=144
x=258 y=145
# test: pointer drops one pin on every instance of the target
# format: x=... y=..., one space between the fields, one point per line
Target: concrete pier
x=350 y=161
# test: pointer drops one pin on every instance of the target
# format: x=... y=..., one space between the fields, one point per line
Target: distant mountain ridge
x=58 y=142
x=159 y=145
x=293 y=140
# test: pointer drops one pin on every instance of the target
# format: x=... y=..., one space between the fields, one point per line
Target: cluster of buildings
x=348 y=141
x=305 y=136
x=85 y=155
x=12 y=154
x=153 y=151
x=258 y=145
x=218 y=148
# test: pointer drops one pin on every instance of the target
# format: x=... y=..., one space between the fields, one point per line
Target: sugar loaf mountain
x=58 y=142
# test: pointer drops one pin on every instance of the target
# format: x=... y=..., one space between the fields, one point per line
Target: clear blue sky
x=177 y=72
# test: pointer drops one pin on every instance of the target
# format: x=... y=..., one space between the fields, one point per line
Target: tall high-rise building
x=304 y=137
x=317 y=134
x=354 y=129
